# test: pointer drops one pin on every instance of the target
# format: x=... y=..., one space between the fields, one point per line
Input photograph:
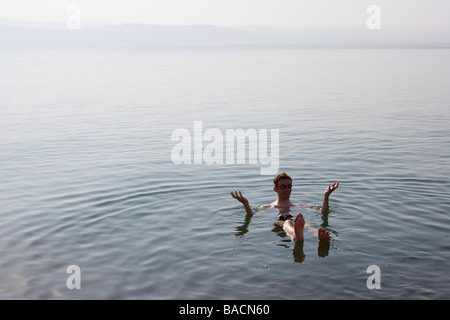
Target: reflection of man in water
x=283 y=187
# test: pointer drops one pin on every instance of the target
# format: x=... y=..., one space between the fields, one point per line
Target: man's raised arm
x=239 y=197
x=326 y=195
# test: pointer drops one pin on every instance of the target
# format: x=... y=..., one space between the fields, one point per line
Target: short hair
x=279 y=177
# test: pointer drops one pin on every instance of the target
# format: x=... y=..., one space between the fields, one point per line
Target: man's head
x=283 y=185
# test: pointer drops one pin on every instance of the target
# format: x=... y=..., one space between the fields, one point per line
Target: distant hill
x=16 y=34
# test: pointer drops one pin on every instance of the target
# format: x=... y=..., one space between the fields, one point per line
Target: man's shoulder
x=299 y=205
x=266 y=206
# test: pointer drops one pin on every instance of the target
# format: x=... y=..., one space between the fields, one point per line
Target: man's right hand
x=239 y=197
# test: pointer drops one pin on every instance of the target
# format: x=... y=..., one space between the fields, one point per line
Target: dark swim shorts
x=284 y=216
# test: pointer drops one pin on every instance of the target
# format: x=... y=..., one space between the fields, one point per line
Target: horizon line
x=291 y=27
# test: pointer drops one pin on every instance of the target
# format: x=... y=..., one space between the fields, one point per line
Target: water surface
x=87 y=179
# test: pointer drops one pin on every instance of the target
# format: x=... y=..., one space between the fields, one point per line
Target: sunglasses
x=284 y=186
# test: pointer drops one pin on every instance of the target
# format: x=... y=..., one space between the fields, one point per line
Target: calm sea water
x=87 y=177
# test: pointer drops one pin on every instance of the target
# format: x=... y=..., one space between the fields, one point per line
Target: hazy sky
x=277 y=13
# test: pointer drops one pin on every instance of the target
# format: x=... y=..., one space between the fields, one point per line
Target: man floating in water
x=283 y=187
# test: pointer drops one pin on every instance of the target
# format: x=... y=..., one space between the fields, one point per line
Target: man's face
x=284 y=189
